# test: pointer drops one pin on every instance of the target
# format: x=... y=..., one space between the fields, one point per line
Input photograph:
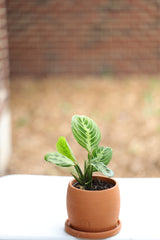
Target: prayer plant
x=88 y=135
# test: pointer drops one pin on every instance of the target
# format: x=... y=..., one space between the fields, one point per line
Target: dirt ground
x=126 y=110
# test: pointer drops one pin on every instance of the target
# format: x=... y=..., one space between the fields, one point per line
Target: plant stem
x=89 y=157
x=88 y=172
x=79 y=171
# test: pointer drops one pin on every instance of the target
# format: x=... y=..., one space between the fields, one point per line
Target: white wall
x=5 y=133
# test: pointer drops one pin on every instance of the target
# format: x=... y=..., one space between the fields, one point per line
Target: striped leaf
x=64 y=148
x=102 y=154
x=58 y=159
x=101 y=167
x=86 y=132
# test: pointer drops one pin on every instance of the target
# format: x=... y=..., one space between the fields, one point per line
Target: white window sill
x=34 y=207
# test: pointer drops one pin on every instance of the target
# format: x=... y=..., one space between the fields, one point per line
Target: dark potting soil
x=97 y=185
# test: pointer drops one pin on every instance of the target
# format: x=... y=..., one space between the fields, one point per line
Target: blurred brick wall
x=3 y=46
x=84 y=37
x=4 y=68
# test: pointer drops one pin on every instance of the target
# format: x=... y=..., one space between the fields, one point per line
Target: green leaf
x=58 y=159
x=86 y=132
x=64 y=148
x=78 y=179
x=101 y=167
x=79 y=171
x=102 y=154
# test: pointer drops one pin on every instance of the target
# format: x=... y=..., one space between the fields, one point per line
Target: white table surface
x=33 y=207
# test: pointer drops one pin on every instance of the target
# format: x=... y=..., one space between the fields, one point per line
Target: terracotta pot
x=93 y=214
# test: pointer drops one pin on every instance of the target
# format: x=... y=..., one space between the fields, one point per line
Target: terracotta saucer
x=92 y=235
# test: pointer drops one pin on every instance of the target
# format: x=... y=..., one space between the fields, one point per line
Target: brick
x=89 y=37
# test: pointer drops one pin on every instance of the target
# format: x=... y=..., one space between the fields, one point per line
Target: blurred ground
x=127 y=112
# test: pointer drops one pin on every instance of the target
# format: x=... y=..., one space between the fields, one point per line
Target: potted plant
x=93 y=202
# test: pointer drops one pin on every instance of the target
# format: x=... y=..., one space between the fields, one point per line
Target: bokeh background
x=98 y=58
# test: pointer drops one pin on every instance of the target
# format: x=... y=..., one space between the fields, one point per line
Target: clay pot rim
x=72 y=181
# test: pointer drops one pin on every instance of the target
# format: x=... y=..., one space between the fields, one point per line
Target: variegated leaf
x=58 y=159
x=102 y=154
x=86 y=132
x=101 y=167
